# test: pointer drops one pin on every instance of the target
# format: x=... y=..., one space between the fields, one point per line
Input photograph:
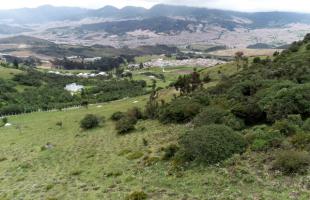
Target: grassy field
x=40 y=160
x=247 y=52
x=8 y=73
x=99 y=164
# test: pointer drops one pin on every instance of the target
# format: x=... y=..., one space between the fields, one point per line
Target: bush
x=170 y=151
x=306 y=126
x=210 y=115
x=180 y=110
x=201 y=97
x=117 y=116
x=282 y=100
x=257 y=60
x=285 y=127
x=5 y=120
x=295 y=119
x=210 y=144
x=291 y=162
x=135 y=113
x=125 y=125
x=90 y=121
x=301 y=141
x=261 y=139
x=215 y=115
x=137 y=195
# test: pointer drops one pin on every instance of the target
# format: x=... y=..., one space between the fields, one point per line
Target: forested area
x=43 y=91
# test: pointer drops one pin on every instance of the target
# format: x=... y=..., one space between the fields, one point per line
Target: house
x=74 y=88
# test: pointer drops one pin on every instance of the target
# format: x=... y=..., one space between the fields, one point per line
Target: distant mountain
x=211 y=16
x=156 y=24
x=28 y=40
x=7 y=29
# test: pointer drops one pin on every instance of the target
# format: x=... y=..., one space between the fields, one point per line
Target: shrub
x=180 y=110
x=301 y=141
x=85 y=104
x=137 y=195
x=215 y=115
x=261 y=139
x=257 y=60
x=59 y=124
x=284 y=99
x=201 y=97
x=210 y=115
x=125 y=125
x=5 y=120
x=295 y=119
x=135 y=113
x=285 y=127
x=210 y=144
x=117 y=116
x=170 y=151
x=291 y=162
x=90 y=121
x=306 y=126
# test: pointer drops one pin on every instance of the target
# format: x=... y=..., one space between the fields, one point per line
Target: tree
x=238 y=56
x=15 y=63
x=188 y=83
x=152 y=106
x=84 y=104
x=141 y=66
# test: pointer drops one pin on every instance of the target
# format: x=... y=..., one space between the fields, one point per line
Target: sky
x=239 y=5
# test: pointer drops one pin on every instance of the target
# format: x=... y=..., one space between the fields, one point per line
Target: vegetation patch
x=292 y=162
x=210 y=144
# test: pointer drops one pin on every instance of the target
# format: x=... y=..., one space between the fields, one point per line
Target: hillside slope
x=41 y=159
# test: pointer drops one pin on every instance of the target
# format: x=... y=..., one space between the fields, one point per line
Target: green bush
x=261 y=138
x=117 y=116
x=210 y=144
x=135 y=113
x=215 y=115
x=257 y=60
x=5 y=120
x=306 y=125
x=285 y=127
x=285 y=99
x=137 y=195
x=291 y=162
x=90 y=121
x=125 y=125
x=295 y=119
x=210 y=115
x=180 y=110
x=202 y=97
x=301 y=141
x=170 y=151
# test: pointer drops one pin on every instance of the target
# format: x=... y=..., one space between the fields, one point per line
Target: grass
x=8 y=73
x=99 y=164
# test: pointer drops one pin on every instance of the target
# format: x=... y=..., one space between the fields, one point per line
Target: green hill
x=245 y=138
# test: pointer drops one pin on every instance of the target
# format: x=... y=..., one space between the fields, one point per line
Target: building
x=74 y=88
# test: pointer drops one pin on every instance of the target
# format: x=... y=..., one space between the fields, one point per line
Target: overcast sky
x=241 y=5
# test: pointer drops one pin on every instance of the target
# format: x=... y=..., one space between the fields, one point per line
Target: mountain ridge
x=49 y=13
